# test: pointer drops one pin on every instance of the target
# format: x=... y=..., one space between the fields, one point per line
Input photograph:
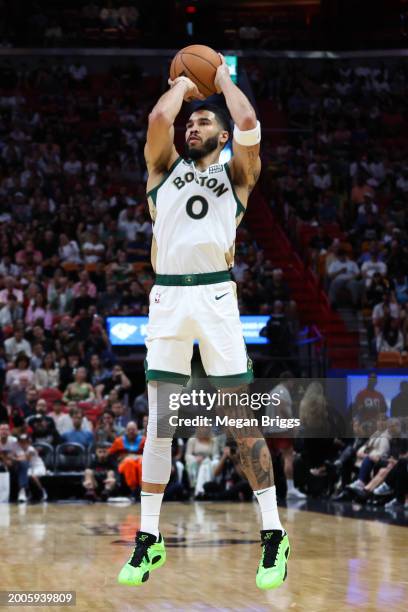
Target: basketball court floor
x=337 y=563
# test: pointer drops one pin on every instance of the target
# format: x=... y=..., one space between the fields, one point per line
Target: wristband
x=248 y=138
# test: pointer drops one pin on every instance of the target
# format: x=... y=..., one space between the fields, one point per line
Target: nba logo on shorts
x=157 y=298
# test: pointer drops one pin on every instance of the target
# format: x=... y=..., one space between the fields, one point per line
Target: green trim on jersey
x=153 y=192
x=188 y=280
x=240 y=207
x=165 y=376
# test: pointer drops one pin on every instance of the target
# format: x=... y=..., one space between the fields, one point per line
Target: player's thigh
x=222 y=346
x=169 y=340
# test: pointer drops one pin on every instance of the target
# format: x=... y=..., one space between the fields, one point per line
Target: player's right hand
x=192 y=91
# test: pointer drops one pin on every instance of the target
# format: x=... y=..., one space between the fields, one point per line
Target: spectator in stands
x=20 y=371
x=10 y=289
x=69 y=250
x=279 y=333
x=97 y=374
x=86 y=424
x=372 y=266
x=47 y=376
x=62 y=420
x=110 y=300
x=117 y=381
x=11 y=312
x=44 y=430
x=105 y=430
x=140 y=407
x=138 y=249
x=369 y=402
x=38 y=310
x=343 y=274
x=383 y=311
x=13 y=461
x=202 y=456
x=377 y=448
x=93 y=249
x=17 y=344
x=399 y=404
x=84 y=283
x=390 y=337
x=100 y=478
x=79 y=390
x=127 y=450
x=77 y=434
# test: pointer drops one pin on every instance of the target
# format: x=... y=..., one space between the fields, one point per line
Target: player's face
x=203 y=134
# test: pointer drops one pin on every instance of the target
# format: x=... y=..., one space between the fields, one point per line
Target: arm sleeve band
x=248 y=138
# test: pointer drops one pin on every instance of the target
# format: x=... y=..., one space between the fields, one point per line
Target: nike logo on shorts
x=218 y=297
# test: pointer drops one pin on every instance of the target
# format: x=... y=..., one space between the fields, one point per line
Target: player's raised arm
x=245 y=164
x=160 y=152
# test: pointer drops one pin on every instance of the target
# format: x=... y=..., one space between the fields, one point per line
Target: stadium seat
x=50 y=395
x=47 y=454
x=389 y=359
x=404 y=360
x=70 y=458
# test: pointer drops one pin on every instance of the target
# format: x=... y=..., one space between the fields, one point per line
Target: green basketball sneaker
x=272 y=569
x=149 y=554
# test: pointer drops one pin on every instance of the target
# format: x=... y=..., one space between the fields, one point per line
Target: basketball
x=199 y=63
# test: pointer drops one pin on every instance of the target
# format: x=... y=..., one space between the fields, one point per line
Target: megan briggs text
x=225 y=421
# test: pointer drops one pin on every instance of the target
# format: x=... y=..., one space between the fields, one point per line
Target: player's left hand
x=222 y=74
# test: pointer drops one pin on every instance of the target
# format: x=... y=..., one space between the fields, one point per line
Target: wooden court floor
x=213 y=551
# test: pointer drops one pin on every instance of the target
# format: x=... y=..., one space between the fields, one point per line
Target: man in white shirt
x=370 y=267
x=11 y=313
x=93 y=249
x=127 y=222
x=343 y=273
x=9 y=284
x=17 y=344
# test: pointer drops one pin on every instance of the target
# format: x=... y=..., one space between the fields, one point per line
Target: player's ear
x=224 y=137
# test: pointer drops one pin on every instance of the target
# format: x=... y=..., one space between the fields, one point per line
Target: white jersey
x=195 y=215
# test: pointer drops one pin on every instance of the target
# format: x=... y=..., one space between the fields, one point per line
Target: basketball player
x=196 y=204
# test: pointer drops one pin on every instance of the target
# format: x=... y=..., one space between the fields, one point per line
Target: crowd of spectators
x=340 y=181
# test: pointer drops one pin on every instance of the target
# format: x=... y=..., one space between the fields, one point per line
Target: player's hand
x=191 y=90
x=222 y=74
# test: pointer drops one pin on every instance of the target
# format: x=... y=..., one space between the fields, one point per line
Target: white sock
x=289 y=482
x=151 y=504
x=269 y=508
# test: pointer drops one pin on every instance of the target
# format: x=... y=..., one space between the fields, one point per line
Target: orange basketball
x=199 y=63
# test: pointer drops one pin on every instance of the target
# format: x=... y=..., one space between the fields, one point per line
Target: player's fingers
x=170 y=82
x=222 y=58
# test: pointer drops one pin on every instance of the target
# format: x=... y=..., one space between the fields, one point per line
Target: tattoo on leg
x=256 y=462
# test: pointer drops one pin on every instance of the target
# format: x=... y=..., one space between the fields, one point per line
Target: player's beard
x=194 y=153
